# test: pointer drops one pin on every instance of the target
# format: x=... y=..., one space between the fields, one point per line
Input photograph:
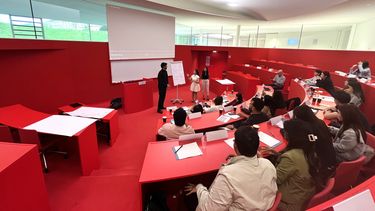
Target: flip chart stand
x=177 y=99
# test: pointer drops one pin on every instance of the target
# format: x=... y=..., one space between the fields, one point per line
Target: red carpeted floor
x=114 y=186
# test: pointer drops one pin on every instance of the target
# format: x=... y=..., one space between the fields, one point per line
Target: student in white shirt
x=278 y=80
x=361 y=70
x=173 y=131
x=245 y=182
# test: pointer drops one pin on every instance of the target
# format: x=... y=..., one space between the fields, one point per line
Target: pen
x=178 y=149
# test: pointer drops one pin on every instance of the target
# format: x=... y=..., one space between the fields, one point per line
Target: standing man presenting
x=162 y=85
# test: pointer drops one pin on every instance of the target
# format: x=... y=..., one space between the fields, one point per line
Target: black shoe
x=160 y=111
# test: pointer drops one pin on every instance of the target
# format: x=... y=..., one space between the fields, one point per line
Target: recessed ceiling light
x=214 y=51
x=232 y=4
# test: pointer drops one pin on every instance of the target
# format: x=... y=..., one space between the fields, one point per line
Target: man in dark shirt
x=256 y=116
x=162 y=86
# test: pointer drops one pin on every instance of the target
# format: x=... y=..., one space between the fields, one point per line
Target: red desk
x=219 y=88
x=245 y=83
x=21 y=178
x=19 y=116
x=110 y=119
x=368 y=90
x=368 y=184
x=294 y=70
x=137 y=96
x=162 y=170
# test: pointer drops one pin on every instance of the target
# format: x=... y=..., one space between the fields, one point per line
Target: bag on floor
x=116 y=103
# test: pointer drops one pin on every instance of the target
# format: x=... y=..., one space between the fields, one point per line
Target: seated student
x=197 y=108
x=297 y=168
x=349 y=141
x=341 y=98
x=268 y=108
x=325 y=82
x=361 y=70
x=278 y=80
x=278 y=100
x=256 y=115
x=245 y=182
x=324 y=147
x=312 y=81
x=236 y=101
x=173 y=131
x=218 y=103
x=353 y=87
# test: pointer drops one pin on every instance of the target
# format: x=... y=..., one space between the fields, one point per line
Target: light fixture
x=214 y=51
x=232 y=4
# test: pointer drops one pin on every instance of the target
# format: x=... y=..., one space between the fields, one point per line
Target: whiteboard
x=131 y=70
x=178 y=74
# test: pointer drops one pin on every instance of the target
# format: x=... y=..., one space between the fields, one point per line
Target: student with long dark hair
x=205 y=84
x=350 y=138
x=324 y=147
x=353 y=87
x=298 y=167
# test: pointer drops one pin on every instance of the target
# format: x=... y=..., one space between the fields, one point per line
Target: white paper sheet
x=230 y=142
x=268 y=140
x=187 y=151
x=223 y=118
x=195 y=115
x=216 y=135
x=280 y=124
x=225 y=82
x=328 y=98
x=290 y=113
x=173 y=108
x=90 y=112
x=361 y=202
x=190 y=136
x=61 y=125
x=233 y=116
x=276 y=120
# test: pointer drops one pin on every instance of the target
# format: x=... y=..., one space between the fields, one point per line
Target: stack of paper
x=233 y=116
x=268 y=140
x=90 y=112
x=187 y=151
x=223 y=118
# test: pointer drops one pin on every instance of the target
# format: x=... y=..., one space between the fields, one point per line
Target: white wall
x=364 y=36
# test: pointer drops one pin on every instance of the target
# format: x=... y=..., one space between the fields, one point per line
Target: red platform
x=137 y=96
x=18 y=116
x=21 y=178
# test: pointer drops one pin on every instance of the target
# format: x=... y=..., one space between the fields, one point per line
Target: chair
x=292 y=103
x=32 y=137
x=280 y=111
x=368 y=169
x=5 y=134
x=347 y=174
x=323 y=195
x=276 y=202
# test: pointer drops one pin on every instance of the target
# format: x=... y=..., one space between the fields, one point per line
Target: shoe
x=160 y=111
x=164 y=108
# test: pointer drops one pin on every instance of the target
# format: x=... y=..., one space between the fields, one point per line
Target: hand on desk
x=230 y=127
x=190 y=188
x=266 y=151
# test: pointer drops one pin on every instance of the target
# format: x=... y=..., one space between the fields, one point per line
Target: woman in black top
x=205 y=84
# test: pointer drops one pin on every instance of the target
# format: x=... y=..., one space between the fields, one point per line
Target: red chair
x=368 y=169
x=280 y=111
x=32 y=137
x=347 y=174
x=5 y=134
x=323 y=195
x=276 y=202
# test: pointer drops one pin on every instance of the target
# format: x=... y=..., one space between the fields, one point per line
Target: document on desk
x=268 y=140
x=230 y=142
x=90 y=112
x=187 y=151
x=225 y=82
x=61 y=125
x=328 y=98
x=223 y=118
x=233 y=116
x=361 y=201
